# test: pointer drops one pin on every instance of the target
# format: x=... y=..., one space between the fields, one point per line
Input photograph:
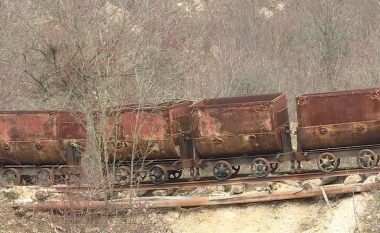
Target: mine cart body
x=148 y=132
x=338 y=119
x=236 y=126
x=40 y=138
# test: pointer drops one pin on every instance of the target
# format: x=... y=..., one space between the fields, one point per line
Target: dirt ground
x=307 y=216
x=350 y=213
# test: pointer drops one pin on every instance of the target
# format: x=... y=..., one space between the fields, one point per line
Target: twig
x=326 y=199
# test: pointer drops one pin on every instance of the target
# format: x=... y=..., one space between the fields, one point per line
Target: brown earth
x=348 y=213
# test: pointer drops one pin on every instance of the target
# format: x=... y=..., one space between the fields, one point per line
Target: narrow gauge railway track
x=237 y=180
x=170 y=202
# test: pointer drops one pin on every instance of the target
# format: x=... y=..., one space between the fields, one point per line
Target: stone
x=275 y=186
x=101 y=196
x=159 y=193
x=378 y=177
x=141 y=193
x=41 y=196
x=170 y=192
x=258 y=188
x=219 y=188
x=10 y=195
x=218 y=194
x=370 y=179
x=329 y=180
x=20 y=212
x=28 y=215
x=237 y=189
x=96 y=230
x=353 y=179
x=308 y=184
x=176 y=215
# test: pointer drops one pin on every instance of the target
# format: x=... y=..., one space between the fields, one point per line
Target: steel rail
x=232 y=181
x=170 y=202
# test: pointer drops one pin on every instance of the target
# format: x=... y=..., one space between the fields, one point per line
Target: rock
x=353 y=179
x=96 y=230
x=269 y=187
x=329 y=180
x=202 y=191
x=218 y=194
x=183 y=192
x=28 y=214
x=237 y=189
x=378 y=177
x=259 y=188
x=141 y=193
x=160 y=193
x=125 y=194
x=101 y=196
x=175 y=215
x=275 y=186
x=23 y=213
x=20 y=212
x=170 y=192
x=57 y=229
x=308 y=184
x=42 y=196
x=219 y=188
x=370 y=179
x=10 y=195
x=121 y=195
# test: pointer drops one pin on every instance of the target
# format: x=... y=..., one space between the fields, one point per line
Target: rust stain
x=153 y=129
x=238 y=125
x=38 y=138
x=338 y=119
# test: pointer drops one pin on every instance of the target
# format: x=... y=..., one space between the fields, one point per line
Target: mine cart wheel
x=122 y=175
x=367 y=159
x=235 y=169
x=175 y=175
x=45 y=176
x=222 y=170
x=158 y=174
x=327 y=162
x=11 y=176
x=260 y=167
x=273 y=167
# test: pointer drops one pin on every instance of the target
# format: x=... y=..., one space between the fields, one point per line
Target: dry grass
x=371 y=218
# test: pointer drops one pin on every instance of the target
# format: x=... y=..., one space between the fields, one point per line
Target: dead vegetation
x=346 y=213
x=90 y=55
x=371 y=216
x=73 y=54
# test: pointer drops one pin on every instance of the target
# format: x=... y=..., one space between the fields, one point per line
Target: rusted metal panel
x=42 y=152
x=37 y=138
x=338 y=119
x=20 y=126
x=150 y=132
x=71 y=125
x=239 y=125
